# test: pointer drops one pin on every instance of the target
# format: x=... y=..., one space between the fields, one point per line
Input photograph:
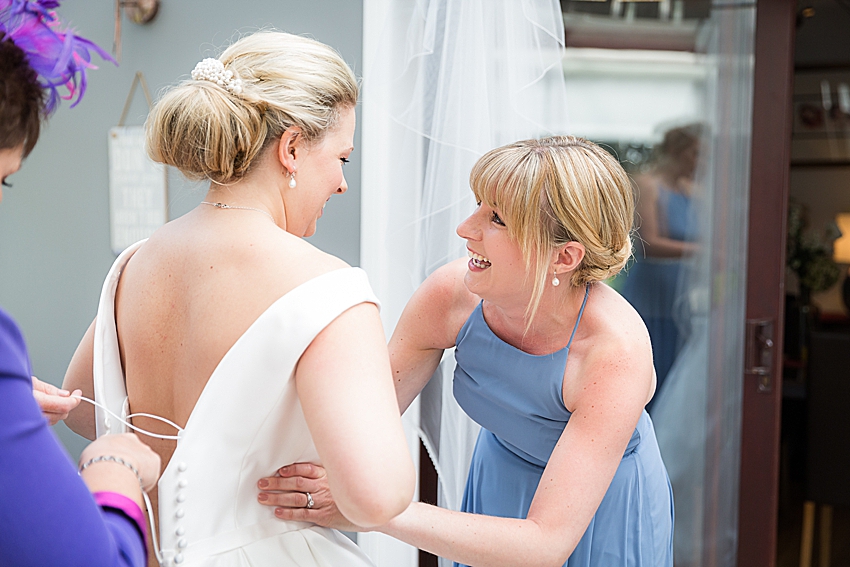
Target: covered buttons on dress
x=179 y=513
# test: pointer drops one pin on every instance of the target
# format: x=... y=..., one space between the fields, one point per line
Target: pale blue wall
x=54 y=222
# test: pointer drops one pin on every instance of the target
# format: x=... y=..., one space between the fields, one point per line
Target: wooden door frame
x=770 y=159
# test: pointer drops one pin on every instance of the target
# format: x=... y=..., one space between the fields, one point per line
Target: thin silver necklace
x=226 y=206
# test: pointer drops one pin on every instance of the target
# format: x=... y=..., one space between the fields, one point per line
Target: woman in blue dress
x=554 y=365
x=668 y=235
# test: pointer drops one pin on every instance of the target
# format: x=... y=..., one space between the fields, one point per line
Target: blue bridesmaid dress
x=653 y=284
x=517 y=399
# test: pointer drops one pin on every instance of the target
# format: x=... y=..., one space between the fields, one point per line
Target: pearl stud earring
x=292 y=183
x=555 y=281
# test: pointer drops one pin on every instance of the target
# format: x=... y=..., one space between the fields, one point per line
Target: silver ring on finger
x=310 y=502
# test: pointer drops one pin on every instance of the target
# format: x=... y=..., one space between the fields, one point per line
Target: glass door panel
x=667 y=87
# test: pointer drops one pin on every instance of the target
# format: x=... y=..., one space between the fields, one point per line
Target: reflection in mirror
x=666 y=239
x=666 y=87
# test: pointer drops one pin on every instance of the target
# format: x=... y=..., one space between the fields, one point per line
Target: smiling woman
x=260 y=348
x=566 y=469
x=521 y=181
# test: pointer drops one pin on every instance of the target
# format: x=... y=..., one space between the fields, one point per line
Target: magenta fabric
x=47 y=515
x=125 y=505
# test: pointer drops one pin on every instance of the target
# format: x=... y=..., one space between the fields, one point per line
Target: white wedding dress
x=246 y=424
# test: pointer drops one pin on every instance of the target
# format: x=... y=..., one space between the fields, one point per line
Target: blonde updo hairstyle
x=556 y=190
x=208 y=132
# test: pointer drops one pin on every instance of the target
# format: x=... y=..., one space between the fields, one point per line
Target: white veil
x=445 y=81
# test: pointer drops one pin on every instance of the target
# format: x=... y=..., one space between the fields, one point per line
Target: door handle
x=758 y=356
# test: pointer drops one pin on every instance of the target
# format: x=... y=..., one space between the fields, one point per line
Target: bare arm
x=343 y=381
x=79 y=377
x=109 y=475
x=616 y=384
x=655 y=244
x=573 y=484
x=429 y=325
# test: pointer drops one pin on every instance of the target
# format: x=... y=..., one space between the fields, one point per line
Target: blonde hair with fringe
x=207 y=132
x=556 y=190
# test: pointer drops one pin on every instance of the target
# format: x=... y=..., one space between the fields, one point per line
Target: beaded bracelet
x=119 y=460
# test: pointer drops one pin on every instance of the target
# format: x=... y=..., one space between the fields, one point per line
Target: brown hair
x=209 y=132
x=557 y=190
x=677 y=140
x=22 y=100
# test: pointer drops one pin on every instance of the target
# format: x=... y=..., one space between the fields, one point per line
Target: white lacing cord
x=133 y=427
x=158 y=418
x=151 y=519
x=152 y=522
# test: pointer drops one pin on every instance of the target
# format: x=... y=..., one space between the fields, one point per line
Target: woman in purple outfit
x=50 y=514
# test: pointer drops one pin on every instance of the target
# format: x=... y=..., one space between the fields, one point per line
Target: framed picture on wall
x=821 y=129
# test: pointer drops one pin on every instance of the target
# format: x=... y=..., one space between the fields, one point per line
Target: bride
x=260 y=348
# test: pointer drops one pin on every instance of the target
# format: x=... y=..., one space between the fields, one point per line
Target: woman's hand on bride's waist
x=300 y=492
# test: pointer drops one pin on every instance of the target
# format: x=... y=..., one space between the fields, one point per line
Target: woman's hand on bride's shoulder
x=300 y=493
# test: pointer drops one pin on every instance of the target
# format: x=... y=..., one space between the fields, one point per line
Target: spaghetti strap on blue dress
x=517 y=398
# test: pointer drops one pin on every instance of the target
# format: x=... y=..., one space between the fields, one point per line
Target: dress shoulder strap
x=580 y=313
x=320 y=300
x=107 y=372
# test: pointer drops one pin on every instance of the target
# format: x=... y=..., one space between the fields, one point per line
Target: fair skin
x=608 y=380
x=115 y=477
x=224 y=268
x=56 y=403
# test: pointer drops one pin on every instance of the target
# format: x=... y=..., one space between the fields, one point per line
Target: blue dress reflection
x=668 y=232
x=652 y=285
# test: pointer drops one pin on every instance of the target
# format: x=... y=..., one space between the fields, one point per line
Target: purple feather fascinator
x=60 y=57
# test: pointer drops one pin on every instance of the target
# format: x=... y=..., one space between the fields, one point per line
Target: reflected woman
x=667 y=231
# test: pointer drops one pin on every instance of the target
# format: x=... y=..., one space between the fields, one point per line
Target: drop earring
x=555 y=281
x=292 y=183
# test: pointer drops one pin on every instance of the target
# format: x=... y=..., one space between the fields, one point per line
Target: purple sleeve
x=47 y=515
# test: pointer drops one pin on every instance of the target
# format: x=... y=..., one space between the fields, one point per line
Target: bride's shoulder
x=296 y=258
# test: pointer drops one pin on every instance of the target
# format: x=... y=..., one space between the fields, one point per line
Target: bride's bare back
x=272 y=140
x=187 y=296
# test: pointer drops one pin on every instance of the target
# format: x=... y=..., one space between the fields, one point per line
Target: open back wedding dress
x=246 y=424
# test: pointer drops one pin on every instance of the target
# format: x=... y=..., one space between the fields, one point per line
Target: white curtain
x=444 y=82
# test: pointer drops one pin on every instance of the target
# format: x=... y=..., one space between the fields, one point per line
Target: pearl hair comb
x=213 y=70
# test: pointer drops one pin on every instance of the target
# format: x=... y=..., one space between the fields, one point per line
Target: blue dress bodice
x=676 y=215
x=517 y=398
